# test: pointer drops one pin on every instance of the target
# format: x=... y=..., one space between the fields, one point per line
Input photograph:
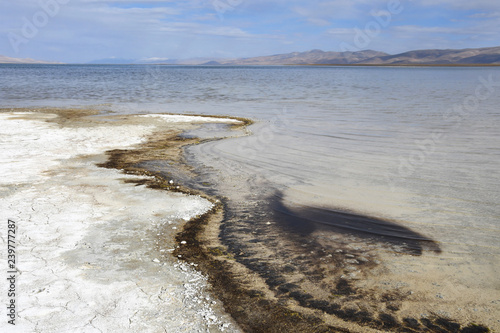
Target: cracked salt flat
x=87 y=242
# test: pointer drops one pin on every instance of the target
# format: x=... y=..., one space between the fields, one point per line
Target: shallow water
x=416 y=148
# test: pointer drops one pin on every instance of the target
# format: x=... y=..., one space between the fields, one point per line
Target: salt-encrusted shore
x=93 y=246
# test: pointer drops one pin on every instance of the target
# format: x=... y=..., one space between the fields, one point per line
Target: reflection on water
x=413 y=149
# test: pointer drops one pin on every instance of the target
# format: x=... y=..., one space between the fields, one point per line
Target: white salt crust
x=93 y=253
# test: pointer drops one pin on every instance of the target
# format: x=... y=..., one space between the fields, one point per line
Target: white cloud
x=154 y=59
x=328 y=11
x=463 y=4
x=462 y=31
x=414 y=29
x=486 y=15
x=200 y=29
x=341 y=31
x=127 y=1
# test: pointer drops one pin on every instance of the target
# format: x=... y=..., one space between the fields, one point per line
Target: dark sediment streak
x=305 y=220
x=294 y=289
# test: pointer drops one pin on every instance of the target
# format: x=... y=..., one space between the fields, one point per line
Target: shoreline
x=246 y=293
x=93 y=243
x=254 y=296
x=198 y=242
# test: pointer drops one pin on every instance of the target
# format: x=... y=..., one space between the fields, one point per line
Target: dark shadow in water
x=304 y=220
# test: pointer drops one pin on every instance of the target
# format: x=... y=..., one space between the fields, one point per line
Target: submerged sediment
x=271 y=280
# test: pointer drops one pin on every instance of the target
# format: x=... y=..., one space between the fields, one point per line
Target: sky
x=79 y=31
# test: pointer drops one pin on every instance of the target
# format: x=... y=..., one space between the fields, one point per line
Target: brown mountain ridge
x=478 y=56
x=10 y=60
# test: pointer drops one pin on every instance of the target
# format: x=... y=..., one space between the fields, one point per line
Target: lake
x=398 y=165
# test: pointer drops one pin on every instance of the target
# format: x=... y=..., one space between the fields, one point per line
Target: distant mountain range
x=482 y=56
x=488 y=55
x=479 y=56
x=112 y=61
x=9 y=60
x=305 y=58
x=163 y=61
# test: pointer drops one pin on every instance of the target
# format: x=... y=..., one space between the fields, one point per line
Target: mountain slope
x=9 y=60
x=478 y=56
x=483 y=56
x=309 y=57
x=489 y=55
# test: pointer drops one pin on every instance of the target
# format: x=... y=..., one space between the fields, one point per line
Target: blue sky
x=84 y=30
